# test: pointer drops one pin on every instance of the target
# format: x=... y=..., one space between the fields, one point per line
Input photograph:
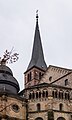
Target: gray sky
x=17 y=27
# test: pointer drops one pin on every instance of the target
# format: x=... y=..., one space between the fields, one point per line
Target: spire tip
x=37 y=15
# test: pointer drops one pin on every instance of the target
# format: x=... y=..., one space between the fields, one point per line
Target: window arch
x=67 y=96
x=39 y=118
x=30 y=96
x=50 y=78
x=45 y=93
x=60 y=106
x=38 y=107
x=39 y=94
x=36 y=75
x=66 y=82
x=36 y=94
x=33 y=95
x=54 y=94
x=60 y=94
x=61 y=118
x=39 y=75
x=30 y=76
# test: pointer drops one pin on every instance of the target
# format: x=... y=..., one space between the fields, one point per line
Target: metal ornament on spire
x=37 y=15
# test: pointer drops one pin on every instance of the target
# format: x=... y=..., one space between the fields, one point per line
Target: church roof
x=37 y=58
x=5 y=69
x=7 y=82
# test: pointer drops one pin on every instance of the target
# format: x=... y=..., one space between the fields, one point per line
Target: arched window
x=61 y=118
x=66 y=82
x=38 y=107
x=0 y=118
x=50 y=78
x=67 y=96
x=30 y=96
x=30 y=76
x=33 y=95
x=46 y=93
x=60 y=94
x=36 y=75
x=54 y=94
x=39 y=94
x=39 y=75
x=36 y=94
x=39 y=118
x=43 y=94
x=60 y=106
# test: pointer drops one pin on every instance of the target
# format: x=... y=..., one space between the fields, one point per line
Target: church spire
x=37 y=59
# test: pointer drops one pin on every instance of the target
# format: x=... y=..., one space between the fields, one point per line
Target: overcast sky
x=17 y=27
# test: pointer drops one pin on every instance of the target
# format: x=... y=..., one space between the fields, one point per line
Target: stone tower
x=37 y=65
x=12 y=106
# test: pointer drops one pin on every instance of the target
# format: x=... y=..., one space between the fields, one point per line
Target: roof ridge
x=60 y=67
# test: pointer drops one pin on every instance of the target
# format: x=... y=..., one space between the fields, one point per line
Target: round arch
x=61 y=118
x=38 y=118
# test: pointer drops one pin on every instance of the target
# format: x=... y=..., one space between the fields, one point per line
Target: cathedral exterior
x=47 y=94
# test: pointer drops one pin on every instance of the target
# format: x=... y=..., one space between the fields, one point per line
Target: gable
x=65 y=81
x=53 y=73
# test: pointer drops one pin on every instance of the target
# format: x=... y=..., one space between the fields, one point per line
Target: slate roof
x=5 y=69
x=37 y=58
x=7 y=82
